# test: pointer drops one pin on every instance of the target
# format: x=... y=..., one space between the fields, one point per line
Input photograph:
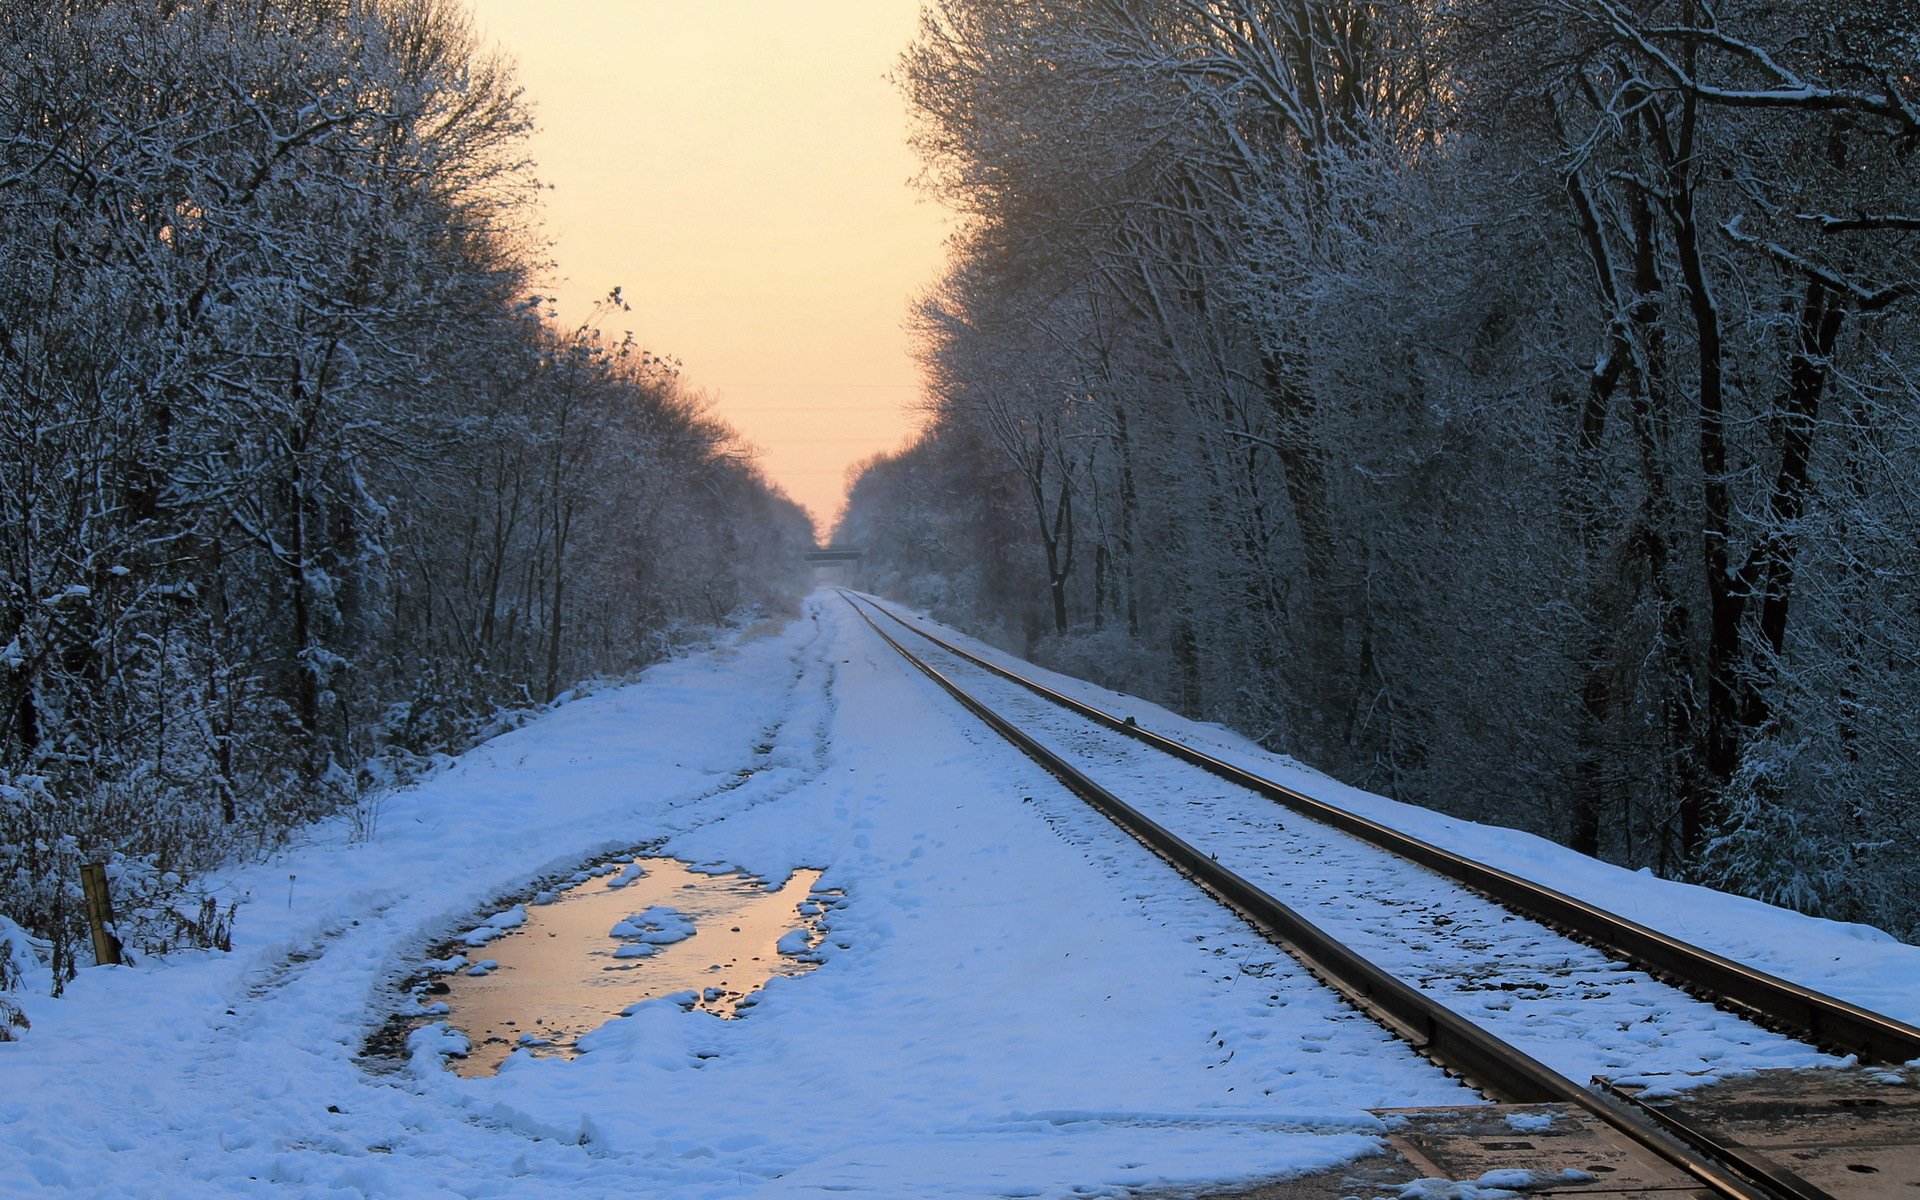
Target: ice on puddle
x=660 y=925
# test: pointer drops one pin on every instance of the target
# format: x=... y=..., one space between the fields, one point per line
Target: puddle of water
x=562 y=973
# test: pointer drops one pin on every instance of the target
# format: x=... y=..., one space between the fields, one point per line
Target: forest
x=303 y=485
x=1511 y=406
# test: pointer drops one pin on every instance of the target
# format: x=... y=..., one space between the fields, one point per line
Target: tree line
x=300 y=484
x=1510 y=405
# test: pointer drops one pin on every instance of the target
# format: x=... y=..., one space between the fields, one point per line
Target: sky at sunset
x=739 y=168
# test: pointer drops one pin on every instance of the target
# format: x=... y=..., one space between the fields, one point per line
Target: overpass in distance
x=835 y=566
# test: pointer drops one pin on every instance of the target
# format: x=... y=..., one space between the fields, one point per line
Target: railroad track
x=1241 y=872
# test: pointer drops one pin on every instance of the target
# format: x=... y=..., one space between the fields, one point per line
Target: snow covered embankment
x=1857 y=963
x=218 y=1074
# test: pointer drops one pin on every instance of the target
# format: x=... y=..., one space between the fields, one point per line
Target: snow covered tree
x=1507 y=404
x=265 y=356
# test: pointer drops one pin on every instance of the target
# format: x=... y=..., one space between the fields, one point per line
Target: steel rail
x=1822 y=1020
x=1504 y=1072
x=1755 y=1165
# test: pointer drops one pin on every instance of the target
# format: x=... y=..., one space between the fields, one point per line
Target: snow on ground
x=1014 y=1000
x=1567 y=1004
x=1857 y=963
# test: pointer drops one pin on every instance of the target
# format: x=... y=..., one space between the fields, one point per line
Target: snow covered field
x=1015 y=1000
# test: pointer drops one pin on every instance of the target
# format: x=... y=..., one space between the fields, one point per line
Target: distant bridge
x=835 y=564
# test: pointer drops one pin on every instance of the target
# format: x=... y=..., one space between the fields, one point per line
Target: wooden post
x=93 y=881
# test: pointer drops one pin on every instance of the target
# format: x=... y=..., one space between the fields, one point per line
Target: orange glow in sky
x=739 y=168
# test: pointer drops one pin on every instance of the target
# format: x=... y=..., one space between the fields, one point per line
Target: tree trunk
x=1821 y=318
x=561 y=529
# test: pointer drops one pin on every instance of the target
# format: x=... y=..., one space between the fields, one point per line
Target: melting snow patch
x=495 y=925
x=437 y=1041
x=627 y=875
x=687 y=1000
x=513 y=918
x=1530 y=1122
x=657 y=926
x=1505 y=1184
x=793 y=944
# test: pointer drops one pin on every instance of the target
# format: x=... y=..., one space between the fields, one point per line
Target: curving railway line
x=1518 y=989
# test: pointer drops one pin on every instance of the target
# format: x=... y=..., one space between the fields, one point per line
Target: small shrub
x=17 y=962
